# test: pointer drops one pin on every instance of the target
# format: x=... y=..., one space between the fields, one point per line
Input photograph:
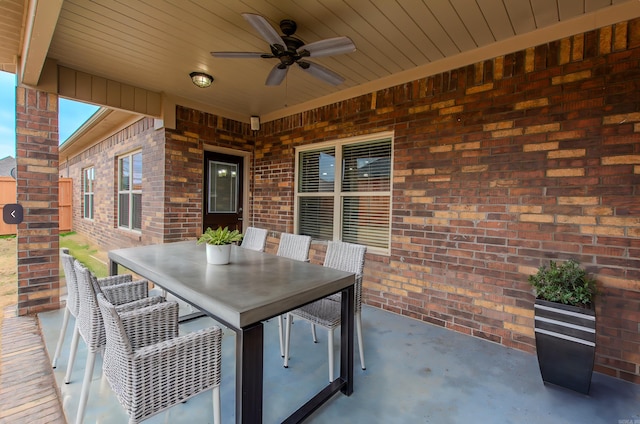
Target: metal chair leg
x=217 y=416
x=72 y=353
x=86 y=386
x=287 y=340
x=313 y=333
x=330 y=347
x=360 y=345
x=280 y=329
x=63 y=332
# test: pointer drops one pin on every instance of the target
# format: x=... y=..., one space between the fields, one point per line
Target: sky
x=71 y=115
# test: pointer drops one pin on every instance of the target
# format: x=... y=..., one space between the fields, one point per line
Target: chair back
x=89 y=318
x=347 y=257
x=254 y=239
x=294 y=246
x=73 y=300
x=116 y=335
x=117 y=352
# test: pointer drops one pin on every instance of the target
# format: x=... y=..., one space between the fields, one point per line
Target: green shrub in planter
x=220 y=236
x=566 y=283
x=565 y=324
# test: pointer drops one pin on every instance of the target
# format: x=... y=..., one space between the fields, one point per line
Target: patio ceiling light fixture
x=201 y=79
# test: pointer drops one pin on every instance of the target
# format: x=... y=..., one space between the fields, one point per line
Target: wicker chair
x=73 y=302
x=326 y=312
x=295 y=247
x=254 y=239
x=150 y=368
x=120 y=290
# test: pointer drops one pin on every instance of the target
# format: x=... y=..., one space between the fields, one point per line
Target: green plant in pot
x=565 y=324
x=219 y=244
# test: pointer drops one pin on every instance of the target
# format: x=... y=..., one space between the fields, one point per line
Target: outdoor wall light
x=201 y=79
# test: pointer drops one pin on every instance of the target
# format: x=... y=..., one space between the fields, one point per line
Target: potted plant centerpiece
x=565 y=324
x=219 y=244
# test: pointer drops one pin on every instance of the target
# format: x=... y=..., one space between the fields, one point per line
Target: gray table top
x=253 y=287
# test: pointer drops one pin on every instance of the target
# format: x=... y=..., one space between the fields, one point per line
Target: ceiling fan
x=289 y=50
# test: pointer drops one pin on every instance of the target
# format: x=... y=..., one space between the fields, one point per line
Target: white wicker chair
x=254 y=239
x=295 y=247
x=150 y=368
x=73 y=301
x=326 y=312
x=120 y=290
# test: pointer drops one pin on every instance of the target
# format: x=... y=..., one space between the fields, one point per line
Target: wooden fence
x=65 y=200
x=65 y=196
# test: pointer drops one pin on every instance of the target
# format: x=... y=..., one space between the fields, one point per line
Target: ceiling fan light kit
x=289 y=50
x=200 y=79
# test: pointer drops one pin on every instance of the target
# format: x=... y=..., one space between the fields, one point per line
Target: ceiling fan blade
x=263 y=27
x=277 y=74
x=328 y=47
x=238 y=55
x=321 y=72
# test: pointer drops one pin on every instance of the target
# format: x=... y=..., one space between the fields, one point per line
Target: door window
x=223 y=187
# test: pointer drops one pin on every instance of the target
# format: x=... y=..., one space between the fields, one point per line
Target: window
x=223 y=187
x=130 y=191
x=350 y=202
x=89 y=177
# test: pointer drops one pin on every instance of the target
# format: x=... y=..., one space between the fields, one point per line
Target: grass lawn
x=8 y=273
x=89 y=255
x=79 y=247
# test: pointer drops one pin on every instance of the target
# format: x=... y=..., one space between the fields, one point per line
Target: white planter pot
x=218 y=254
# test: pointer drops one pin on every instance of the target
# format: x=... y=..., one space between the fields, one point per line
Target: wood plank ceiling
x=155 y=44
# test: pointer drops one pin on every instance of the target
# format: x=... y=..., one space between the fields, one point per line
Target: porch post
x=37 y=192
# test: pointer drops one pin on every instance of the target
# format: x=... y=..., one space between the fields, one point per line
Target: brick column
x=37 y=181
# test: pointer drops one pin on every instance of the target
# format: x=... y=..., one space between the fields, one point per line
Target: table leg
x=346 y=339
x=113 y=268
x=249 y=373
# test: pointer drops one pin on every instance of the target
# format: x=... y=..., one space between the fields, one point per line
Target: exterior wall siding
x=499 y=167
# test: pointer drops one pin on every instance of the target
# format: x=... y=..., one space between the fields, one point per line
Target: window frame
x=130 y=192
x=88 y=194
x=338 y=194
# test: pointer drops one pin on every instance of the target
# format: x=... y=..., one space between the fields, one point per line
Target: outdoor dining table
x=252 y=288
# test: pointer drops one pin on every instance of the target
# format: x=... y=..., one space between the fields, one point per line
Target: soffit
x=155 y=44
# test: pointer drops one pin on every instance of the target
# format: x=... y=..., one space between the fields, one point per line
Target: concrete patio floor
x=416 y=373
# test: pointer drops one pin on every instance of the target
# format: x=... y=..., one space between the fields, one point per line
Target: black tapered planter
x=565 y=344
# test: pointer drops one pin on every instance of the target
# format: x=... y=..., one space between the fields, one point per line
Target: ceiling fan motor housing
x=288 y=26
x=290 y=55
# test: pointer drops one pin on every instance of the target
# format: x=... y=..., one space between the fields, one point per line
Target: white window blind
x=350 y=202
x=89 y=178
x=317 y=181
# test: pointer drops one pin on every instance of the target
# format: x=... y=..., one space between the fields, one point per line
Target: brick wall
x=499 y=167
x=172 y=162
x=37 y=184
x=103 y=156
x=184 y=166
